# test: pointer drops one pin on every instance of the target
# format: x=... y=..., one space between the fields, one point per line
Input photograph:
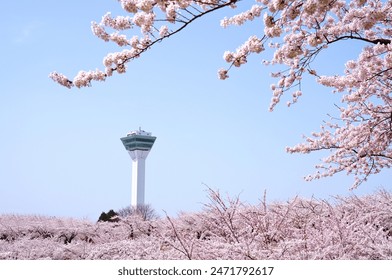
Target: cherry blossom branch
x=298 y=31
x=187 y=252
x=120 y=59
x=375 y=41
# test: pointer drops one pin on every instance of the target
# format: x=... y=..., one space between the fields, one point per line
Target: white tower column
x=138 y=176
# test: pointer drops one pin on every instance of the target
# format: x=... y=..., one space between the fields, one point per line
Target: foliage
x=145 y=211
x=298 y=31
x=110 y=216
x=347 y=228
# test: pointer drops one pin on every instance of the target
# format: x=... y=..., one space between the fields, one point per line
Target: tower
x=138 y=143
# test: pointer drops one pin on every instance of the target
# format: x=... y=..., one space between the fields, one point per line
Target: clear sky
x=60 y=149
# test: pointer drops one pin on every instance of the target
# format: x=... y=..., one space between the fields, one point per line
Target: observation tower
x=138 y=143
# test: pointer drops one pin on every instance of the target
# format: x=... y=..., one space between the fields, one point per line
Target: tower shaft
x=138 y=182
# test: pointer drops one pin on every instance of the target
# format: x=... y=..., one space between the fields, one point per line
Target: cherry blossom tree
x=344 y=228
x=145 y=211
x=358 y=137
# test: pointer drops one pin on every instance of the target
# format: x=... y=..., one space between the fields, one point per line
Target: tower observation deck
x=138 y=143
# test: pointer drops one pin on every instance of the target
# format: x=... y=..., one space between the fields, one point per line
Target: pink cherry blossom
x=300 y=229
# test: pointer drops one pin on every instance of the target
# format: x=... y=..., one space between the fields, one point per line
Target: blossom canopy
x=359 y=138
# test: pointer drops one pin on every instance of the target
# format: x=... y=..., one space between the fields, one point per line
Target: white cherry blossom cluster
x=61 y=79
x=252 y=45
x=129 y=6
x=164 y=31
x=144 y=20
x=118 y=23
x=241 y=18
x=83 y=78
x=99 y=31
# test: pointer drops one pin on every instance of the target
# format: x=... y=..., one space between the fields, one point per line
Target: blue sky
x=61 y=154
